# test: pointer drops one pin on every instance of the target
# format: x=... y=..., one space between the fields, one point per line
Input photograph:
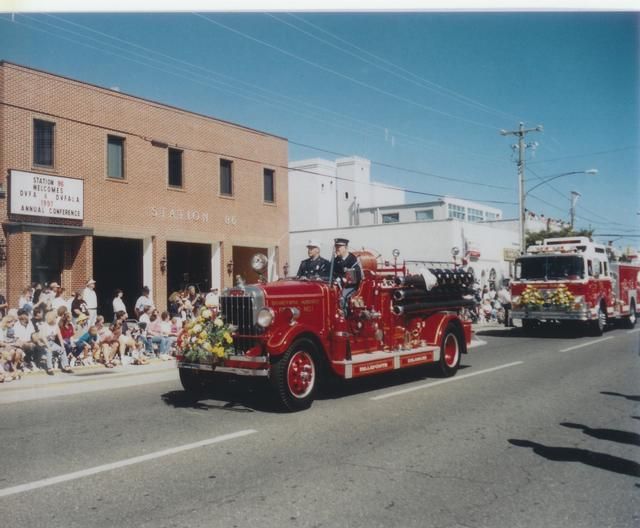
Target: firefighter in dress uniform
x=347 y=270
x=315 y=266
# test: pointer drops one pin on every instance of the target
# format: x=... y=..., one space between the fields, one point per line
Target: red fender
x=281 y=337
x=436 y=324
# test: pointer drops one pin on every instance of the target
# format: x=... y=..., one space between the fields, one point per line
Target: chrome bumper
x=543 y=315
x=262 y=370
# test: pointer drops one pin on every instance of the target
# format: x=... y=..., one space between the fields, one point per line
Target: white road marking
x=122 y=463
x=586 y=344
x=440 y=382
x=633 y=331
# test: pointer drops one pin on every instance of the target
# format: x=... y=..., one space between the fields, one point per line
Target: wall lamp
x=163 y=264
x=230 y=268
x=3 y=250
x=285 y=269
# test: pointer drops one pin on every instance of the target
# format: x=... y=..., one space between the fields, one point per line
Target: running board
x=382 y=361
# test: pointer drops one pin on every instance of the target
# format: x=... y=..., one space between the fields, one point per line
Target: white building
x=329 y=200
x=324 y=193
x=442 y=209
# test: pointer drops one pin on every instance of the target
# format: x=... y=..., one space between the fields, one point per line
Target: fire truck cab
x=295 y=331
x=572 y=280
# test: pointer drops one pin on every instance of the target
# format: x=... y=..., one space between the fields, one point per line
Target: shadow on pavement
x=336 y=388
x=544 y=331
x=595 y=459
x=233 y=396
x=612 y=435
x=246 y=395
x=625 y=396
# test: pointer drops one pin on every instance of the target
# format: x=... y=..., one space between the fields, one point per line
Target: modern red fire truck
x=572 y=281
x=295 y=331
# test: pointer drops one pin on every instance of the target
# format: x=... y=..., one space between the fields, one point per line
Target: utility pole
x=574 y=200
x=521 y=133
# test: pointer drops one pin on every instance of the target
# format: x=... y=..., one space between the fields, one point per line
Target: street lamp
x=524 y=195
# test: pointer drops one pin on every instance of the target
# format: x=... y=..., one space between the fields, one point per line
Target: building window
x=390 y=218
x=115 y=157
x=269 y=194
x=456 y=211
x=175 y=168
x=474 y=215
x=427 y=214
x=43 y=142
x=490 y=216
x=226 y=178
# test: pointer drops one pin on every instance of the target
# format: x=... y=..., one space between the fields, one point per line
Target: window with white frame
x=425 y=214
x=490 y=216
x=474 y=215
x=390 y=218
x=456 y=211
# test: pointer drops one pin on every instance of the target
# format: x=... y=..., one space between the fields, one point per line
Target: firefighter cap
x=341 y=242
x=313 y=243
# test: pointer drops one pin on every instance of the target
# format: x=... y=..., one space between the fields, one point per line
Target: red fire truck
x=572 y=281
x=295 y=331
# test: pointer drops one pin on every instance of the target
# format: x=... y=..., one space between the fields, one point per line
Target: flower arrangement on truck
x=573 y=281
x=296 y=331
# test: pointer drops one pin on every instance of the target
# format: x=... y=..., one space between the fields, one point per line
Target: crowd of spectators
x=51 y=330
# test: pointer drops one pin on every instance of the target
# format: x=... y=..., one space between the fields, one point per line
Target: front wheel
x=451 y=350
x=597 y=326
x=294 y=375
x=630 y=320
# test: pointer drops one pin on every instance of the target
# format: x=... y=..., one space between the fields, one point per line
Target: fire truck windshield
x=565 y=267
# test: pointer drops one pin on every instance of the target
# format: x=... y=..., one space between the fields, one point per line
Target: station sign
x=45 y=195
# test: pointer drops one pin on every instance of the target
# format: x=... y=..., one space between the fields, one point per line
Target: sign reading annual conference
x=42 y=195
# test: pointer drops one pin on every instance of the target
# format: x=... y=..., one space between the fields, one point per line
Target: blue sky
x=421 y=91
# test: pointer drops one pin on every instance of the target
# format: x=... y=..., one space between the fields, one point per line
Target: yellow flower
x=206 y=314
x=218 y=351
x=218 y=322
x=197 y=329
x=203 y=335
x=227 y=337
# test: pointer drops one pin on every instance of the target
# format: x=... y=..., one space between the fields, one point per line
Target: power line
x=233 y=88
x=229 y=155
x=416 y=79
x=598 y=153
x=344 y=76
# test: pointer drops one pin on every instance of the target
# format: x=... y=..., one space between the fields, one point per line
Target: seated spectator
x=143 y=301
x=126 y=340
x=166 y=331
x=175 y=304
x=67 y=332
x=86 y=347
x=60 y=299
x=155 y=332
x=53 y=343
x=25 y=301
x=11 y=357
x=22 y=332
x=82 y=323
x=79 y=307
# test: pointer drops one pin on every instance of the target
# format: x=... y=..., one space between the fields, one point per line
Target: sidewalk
x=38 y=385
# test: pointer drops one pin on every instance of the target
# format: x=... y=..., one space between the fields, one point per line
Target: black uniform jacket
x=311 y=268
x=340 y=267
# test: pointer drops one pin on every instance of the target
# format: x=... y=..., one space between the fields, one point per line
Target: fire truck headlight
x=265 y=317
x=578 y=302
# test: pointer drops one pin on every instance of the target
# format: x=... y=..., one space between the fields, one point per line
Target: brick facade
x=142 y=205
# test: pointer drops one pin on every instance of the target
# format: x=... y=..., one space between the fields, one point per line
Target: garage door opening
x=188 y=264
x=117 y=263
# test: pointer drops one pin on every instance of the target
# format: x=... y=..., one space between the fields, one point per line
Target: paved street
x=532 y=432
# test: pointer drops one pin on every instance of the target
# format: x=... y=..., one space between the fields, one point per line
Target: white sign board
x=43 y=195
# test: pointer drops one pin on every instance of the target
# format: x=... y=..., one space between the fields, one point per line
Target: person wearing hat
x=89 y=296
x=315 y=265
x=346 y=269
x=212 y=300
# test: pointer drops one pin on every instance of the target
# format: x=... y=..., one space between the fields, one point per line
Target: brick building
x=97 y=183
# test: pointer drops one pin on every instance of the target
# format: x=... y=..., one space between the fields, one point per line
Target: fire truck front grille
x=239 y=311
